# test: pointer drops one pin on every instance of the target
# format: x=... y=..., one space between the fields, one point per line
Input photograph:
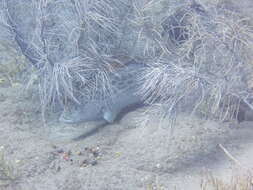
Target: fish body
x=123 y=94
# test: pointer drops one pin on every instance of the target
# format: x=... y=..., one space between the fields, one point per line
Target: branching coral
x=196 y=56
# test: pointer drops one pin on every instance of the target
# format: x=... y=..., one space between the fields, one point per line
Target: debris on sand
x=89 y=156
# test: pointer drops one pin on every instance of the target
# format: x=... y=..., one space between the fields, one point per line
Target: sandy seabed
x=121 y=156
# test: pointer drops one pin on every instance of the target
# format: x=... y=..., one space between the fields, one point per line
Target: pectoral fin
x=110 y=116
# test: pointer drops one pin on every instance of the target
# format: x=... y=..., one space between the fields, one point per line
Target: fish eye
x=199 y=8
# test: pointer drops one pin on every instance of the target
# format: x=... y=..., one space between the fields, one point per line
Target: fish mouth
x=62 y=119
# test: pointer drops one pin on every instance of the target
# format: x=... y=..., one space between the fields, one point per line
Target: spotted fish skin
x=124 y=86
